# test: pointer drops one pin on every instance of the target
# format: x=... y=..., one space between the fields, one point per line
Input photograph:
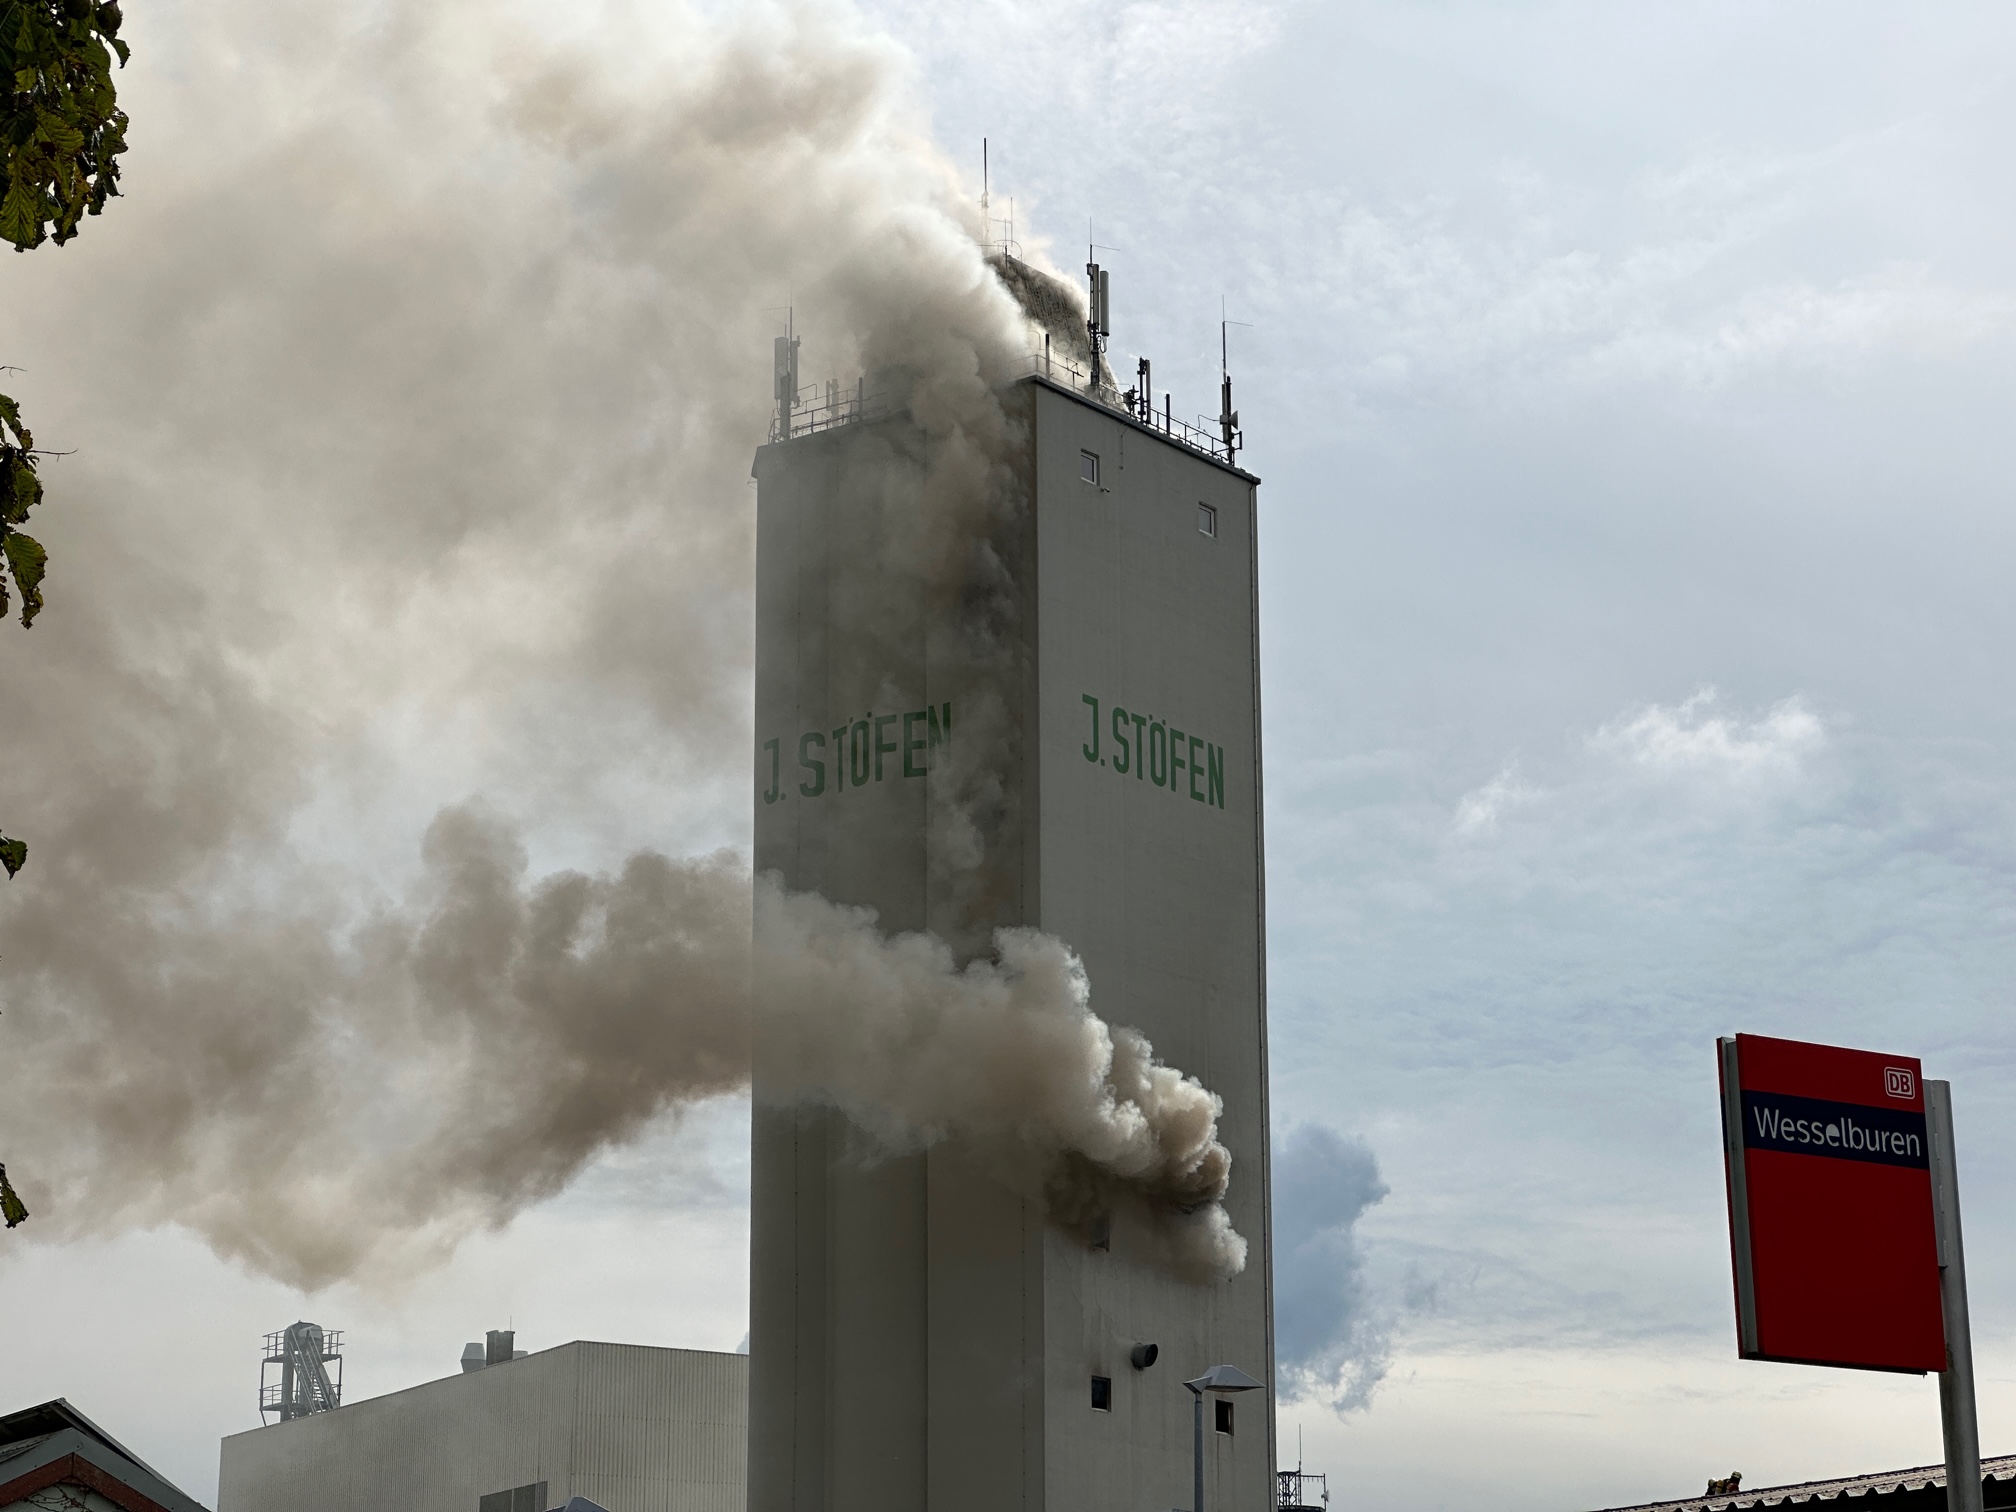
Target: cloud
x=1479 y=811
x=1687 y=738
x=1330 y=1343
x=1592 y=364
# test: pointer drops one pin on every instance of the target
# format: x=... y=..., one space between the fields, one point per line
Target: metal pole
x=1197 y=1456
x=1956 y=1381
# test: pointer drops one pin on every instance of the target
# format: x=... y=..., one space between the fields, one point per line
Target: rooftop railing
x=821 y=407
x=1206 y=436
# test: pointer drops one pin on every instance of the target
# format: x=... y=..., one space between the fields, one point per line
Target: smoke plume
x=1004 y=1053
x=471 y=1050
x=410 y=393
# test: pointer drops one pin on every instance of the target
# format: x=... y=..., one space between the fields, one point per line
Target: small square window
x=1088 y=466
x=1207 y=520
x=1224 y=1411
x=1102 y=1393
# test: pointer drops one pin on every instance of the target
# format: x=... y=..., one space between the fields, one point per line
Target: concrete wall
x=922 y=1336
x=862 y=1268
x=634 y=1428
x=1158 y=886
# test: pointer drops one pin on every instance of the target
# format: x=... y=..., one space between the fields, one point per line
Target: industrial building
x=923 y=1336
x=629 y=1427
x=1072 y=745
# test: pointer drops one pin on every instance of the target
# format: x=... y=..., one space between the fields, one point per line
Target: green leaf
x=21 y=217
x=61 y=129
x=20 y=489
x=12 y=1208
x=60 y=134
x=13 y=854
x=25 y=555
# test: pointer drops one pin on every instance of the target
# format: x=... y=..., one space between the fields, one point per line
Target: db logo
x=1899 y=1082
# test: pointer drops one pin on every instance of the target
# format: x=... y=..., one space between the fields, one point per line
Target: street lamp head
x=1217 y=1378
x=1223 y=1378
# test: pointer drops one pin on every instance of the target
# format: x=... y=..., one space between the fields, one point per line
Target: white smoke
x=411 y=391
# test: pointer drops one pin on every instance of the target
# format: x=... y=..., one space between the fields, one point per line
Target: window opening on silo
x=1102 y=1232
x=1088 y=466
x=1207 y=520
x=1224 y=1411
x=1102 y=1393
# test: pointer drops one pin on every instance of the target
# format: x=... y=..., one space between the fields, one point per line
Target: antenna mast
x=785 y=370
x=1228 y=417
x=1099 y=305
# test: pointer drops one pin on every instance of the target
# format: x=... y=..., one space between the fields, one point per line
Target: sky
x=1634 y=547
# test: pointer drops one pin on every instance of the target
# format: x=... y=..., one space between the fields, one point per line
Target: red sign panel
x=1830 y=1206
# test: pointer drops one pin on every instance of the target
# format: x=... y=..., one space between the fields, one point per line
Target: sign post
x=1844 y=1223
x=1956 y=1381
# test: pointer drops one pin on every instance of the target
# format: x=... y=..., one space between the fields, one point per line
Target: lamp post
x=1220 y=1378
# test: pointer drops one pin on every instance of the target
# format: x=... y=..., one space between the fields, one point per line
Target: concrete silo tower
x=1045 y=714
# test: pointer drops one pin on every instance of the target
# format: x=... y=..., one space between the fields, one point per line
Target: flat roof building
x=630 y=1427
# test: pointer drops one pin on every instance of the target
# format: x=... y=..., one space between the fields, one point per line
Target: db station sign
x=1832 y=1213
x=1844 y=1220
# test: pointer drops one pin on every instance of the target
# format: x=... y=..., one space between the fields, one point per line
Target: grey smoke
x=411 y=390
x=1003 y=1052
x=1330 y=1341
x=469 y=1052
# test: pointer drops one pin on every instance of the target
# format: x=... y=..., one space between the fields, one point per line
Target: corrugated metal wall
x=632 y=1456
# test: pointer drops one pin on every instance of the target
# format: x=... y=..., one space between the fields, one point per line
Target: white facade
x=922 y=1337
x=633 y=1428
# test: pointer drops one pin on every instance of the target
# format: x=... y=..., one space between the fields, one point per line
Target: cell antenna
x=1228 y=417
x=785 y=370
x=1098 y=301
